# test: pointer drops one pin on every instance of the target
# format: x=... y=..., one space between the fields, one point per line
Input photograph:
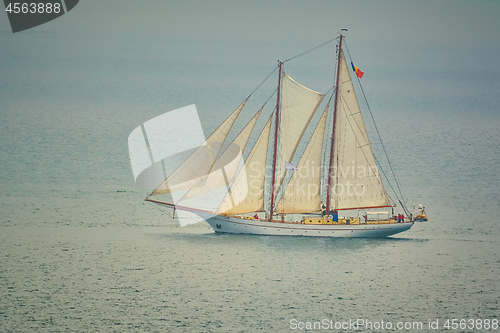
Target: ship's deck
x=320 y=220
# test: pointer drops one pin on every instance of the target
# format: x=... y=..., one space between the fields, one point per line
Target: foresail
x=298 y=104
x=196 y=167
x=303 y=192
x=356 y=181
x=228 y=163
x=246 y=195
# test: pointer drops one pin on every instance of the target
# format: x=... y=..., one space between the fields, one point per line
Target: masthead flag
x=358 y=71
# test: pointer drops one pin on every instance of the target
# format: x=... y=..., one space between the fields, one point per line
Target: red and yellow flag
x=358 y=71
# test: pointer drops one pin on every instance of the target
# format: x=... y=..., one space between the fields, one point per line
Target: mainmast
x=330 y=165
x=275 y=154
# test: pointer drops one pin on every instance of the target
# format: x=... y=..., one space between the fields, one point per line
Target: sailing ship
x=334 y=190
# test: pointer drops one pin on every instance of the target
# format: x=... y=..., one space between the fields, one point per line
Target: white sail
x=228 y=163
x=298 y=104
x=356 y=182
x=196 y=167
x=246 y=195
x=303 y=192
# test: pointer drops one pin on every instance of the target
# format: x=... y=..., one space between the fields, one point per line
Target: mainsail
x=303 y=192
x=196 y=167
x=246 y=195
x=356 y=181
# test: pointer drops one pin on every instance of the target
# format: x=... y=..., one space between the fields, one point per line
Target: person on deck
x=256 y=217
x=335 y=215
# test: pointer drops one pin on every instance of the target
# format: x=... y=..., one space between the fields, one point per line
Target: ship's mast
x=275 y=141
x=330 y=165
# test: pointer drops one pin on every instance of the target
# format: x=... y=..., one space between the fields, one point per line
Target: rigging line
x=331 y=89
x=261 y=108
x=380 y=137
x=156 y=206
x=267 y=77
x=362 y=150
x=312 y=50
x=385 y=151
x=275 y=90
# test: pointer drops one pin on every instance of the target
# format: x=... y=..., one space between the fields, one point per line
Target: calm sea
x=81 y=251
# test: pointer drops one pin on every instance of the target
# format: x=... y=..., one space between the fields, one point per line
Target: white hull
x=233 y=225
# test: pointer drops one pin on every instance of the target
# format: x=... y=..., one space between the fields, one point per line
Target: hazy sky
x=446 y=28
x=457 y=37
x=430 y=22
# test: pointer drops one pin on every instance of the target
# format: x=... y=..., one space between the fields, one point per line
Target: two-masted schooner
x=334 y=190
